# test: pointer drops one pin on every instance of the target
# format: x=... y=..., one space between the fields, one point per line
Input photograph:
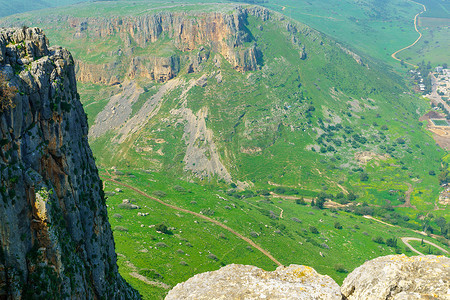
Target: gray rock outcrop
x=390 y=277
x=55 y=239
x=249 y=282
x=400 y=277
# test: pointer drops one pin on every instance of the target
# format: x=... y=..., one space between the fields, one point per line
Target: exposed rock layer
x=55 y=239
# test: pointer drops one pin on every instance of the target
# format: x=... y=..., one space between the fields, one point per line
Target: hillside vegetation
x=247 y=117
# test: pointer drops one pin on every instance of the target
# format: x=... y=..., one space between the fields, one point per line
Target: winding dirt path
x=281 y=211
x=249 y=241
x=416 y=17
x=406 y=240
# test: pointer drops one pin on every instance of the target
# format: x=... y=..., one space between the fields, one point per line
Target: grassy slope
x=349 y=246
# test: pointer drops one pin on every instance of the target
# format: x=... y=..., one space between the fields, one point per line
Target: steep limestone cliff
x=188 y=33
x=55 y=239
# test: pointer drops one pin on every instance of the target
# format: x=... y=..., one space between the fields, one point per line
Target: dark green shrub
x=313 y=229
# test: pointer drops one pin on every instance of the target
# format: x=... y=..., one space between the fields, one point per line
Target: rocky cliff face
x=383 y=278
x=55 y=239
x=189 y=34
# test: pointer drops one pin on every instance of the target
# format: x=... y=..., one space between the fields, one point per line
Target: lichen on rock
x=249 y=282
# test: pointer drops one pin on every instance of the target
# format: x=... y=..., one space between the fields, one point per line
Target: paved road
x=249 y=241
x=407 y=239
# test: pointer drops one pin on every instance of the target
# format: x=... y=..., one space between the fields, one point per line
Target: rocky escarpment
x=383 y=278
x=55 y=239
x=189 y=34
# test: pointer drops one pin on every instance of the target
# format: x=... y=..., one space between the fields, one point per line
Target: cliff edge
x=55 y=239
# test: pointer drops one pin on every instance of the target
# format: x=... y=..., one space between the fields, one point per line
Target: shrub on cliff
x=7 y=93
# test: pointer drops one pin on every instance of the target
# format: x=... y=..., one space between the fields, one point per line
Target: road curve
x=416 y=17
x=407 y=239
x=249 y=241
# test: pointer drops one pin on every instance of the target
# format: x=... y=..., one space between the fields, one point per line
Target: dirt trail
x=281 y=211
x=249 y=241
x=407 y=239
x=372 y=218
x=416 y=17
x=134 y=273
x=408 y=197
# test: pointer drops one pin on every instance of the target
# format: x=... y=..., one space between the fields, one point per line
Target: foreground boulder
x=55 y=239
x=400 y=277
x=249 y=282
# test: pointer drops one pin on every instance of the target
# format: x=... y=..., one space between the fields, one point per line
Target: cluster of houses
x=418 y=79
x=443 y=81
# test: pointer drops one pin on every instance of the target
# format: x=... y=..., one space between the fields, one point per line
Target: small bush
x=391 y=242
x=254 y=234
x=222 y=236
x=296 y=220
x=179 y=251
x=179 y=188
x=207 y=212
x=117 y=216
x=340 y=268
x=300 y=201
x=249 y=248
x=120 y=228
x=213 y=257
x=313 y=229
x=337 y=225
x=161 y=245
x=323 y=245
x=160 y=194
x=163 y=228
x=378 y=240
x=183 y=263
x=150 y=273
x=125 y=206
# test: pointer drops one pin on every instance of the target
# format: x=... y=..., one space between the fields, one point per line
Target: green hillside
x=247 y=121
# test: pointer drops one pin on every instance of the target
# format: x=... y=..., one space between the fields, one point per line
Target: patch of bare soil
x=364 y=157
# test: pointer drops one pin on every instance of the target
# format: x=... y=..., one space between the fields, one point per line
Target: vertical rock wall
x=55 y=239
